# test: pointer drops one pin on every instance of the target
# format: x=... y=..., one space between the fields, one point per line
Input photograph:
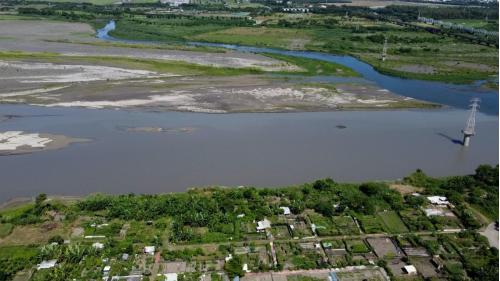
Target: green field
x=412 y=54
x=392 y=222
x=315 y=67
x=5 y=229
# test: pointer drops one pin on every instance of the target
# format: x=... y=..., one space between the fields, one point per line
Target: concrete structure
x=47 y=264
x=470 y=126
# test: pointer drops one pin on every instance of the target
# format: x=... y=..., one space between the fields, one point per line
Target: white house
x=434 y=212
x=410 y=269
x=286 y=211
x=47 y=264
x=98 y=246
x=263 y=225
x=438 y=200
x=149 y=250
x=171 y=277
x=106 y=269
x=245 y=268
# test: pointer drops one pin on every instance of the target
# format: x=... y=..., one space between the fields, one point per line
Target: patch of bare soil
x=405 y=189
x=471 y=65
x=416 y=68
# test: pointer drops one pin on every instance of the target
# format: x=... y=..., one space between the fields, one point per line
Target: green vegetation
x=392 y=222
x=5 y=229
x=199 y=228
x=415 y=50
x=315 y=67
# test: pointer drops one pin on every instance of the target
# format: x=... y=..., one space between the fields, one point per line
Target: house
x=410 y=269
x=149 y=250
x=47 y=264
x=106 y=269
x=263 y=225
x=245 y=268
x=438 y=200
x=433 y=212
x=98 y=246
x=171 y=277
x=286 y=211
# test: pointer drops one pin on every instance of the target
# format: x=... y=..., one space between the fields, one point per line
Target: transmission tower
x=384 y=49
x=470 y=126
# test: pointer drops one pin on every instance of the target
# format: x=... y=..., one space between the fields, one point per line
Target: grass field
x=315 y=67
x=5 y=229
x=411 y=54
x=370 y=224
x=392 y=222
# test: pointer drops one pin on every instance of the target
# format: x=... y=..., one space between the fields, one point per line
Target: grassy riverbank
x=411 y=54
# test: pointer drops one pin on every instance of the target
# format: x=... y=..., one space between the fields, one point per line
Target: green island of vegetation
x=434 y=226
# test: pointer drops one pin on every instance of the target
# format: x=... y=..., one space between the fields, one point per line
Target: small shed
x=47 y=264
x=410 y=269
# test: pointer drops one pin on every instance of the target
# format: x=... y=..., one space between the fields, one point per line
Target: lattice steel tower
x=470 y=126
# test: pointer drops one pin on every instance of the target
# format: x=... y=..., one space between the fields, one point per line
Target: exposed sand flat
x=274 y=97
x=11 y=140
x=31 y=92
x=19 y=142
x=36 y=72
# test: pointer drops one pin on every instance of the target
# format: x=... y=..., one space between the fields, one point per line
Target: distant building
x=286 y=211
x=433 y=212
x=125 y=257
x=410 y=269
x=438 y=200
x=263 y=225
x=175 y=3
x=171 y=277
x=245 y=268
x=149 y=250
x=106 y=269
x=47 y=264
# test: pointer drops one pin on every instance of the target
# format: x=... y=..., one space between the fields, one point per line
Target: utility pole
x=384 y=49
x=470 y=126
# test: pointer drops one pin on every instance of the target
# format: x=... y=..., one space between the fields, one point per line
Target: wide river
x=251 y=149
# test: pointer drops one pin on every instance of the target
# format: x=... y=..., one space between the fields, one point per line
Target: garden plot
x=392 y=222
x=370 y=224
x=384 y=247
